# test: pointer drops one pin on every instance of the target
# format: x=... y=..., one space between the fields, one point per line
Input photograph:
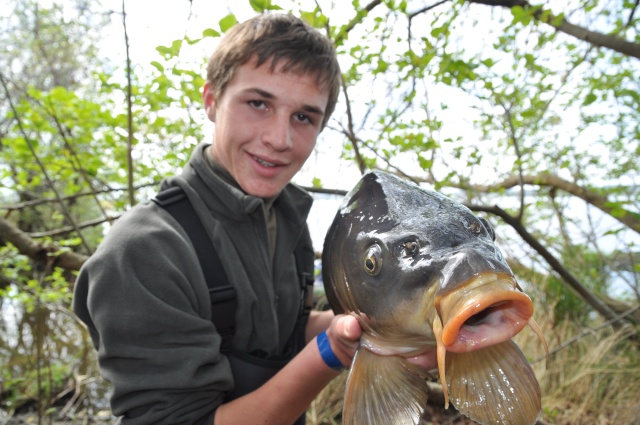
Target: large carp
x=422 y=272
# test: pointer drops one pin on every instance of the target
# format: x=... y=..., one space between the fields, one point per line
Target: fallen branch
x=38 y=252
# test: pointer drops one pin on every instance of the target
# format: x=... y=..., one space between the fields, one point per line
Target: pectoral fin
x=384 y=390
x=494 y=385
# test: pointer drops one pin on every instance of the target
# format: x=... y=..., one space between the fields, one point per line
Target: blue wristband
x=327 y=353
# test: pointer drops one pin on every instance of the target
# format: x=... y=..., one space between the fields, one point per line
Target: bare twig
x=426 y=9
x=350 y=133
x=78 y=168
x=632 y=13
x=36 y=202
x=132 y=197
x=355 y=21
x=68 y=229
x=516 y=146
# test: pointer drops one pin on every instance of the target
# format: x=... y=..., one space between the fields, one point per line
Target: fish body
x=422 y=272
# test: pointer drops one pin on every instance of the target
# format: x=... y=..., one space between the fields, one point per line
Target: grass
x=595 y=379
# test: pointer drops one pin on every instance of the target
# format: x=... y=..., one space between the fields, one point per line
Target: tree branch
x=68 y=229
x=38 y=252
x=355 y=21
x=350 y=133
x=426 y=9
x=632 y=13
x=516 y=146
x=595 y=38
x=573 y=282
x=132 y=196
x=36 y=202
x=628 y=218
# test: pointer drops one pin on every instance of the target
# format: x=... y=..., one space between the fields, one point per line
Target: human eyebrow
x=261 y=93
x=313 y=110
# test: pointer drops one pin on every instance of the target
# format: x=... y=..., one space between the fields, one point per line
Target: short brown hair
x=284 y=39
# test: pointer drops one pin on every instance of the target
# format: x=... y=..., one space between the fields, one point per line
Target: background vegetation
x=527 y=112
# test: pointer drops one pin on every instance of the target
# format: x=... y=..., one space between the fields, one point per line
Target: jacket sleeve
x=145 y=301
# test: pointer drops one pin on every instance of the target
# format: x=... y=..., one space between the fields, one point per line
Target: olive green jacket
x=144 y=299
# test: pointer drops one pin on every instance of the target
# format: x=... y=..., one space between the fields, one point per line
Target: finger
x=349 y=327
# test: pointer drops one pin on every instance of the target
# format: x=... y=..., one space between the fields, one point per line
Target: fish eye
x=373 y=260
x=409 y=248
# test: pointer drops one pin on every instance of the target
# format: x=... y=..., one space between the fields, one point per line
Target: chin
x=262 y=191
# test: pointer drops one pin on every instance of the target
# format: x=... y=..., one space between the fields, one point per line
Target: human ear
x=209 y=102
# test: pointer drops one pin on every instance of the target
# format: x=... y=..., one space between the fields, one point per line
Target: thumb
x=349 y=328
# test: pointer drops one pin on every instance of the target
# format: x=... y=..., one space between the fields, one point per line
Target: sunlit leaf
x=227 y=22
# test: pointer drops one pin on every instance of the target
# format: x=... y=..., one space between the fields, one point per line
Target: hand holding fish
x=345 y=331
x=344 y=334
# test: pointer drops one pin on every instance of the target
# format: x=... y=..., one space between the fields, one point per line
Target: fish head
x=409 y=260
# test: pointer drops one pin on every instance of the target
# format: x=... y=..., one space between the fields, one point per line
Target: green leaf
x=488 y=62
x=257 y=5
x=591 y=97
x=158 y=66
x=191 y=41
x=227 y=22
x=210 y=32
x=263 y=5
x=521 y=15
x=316 y=19
x=170 y=52
x=438 y=31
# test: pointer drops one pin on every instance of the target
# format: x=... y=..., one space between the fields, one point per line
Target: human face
x=266 y=125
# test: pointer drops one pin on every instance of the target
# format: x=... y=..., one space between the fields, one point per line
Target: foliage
x=493 y=105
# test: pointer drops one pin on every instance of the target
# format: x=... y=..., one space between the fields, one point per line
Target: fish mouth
x=485 y=311
x=488 y=310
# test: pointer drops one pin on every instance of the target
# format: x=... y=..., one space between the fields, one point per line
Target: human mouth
x=264 y=163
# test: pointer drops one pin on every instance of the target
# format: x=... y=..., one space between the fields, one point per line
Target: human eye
x=303 y=118
x=257 y=104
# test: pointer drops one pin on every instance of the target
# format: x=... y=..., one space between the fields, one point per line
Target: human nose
x=277 y=134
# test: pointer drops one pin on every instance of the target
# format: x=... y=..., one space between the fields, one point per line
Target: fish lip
x=485 y=311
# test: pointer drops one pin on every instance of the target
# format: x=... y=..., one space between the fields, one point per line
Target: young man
x=272 y=84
